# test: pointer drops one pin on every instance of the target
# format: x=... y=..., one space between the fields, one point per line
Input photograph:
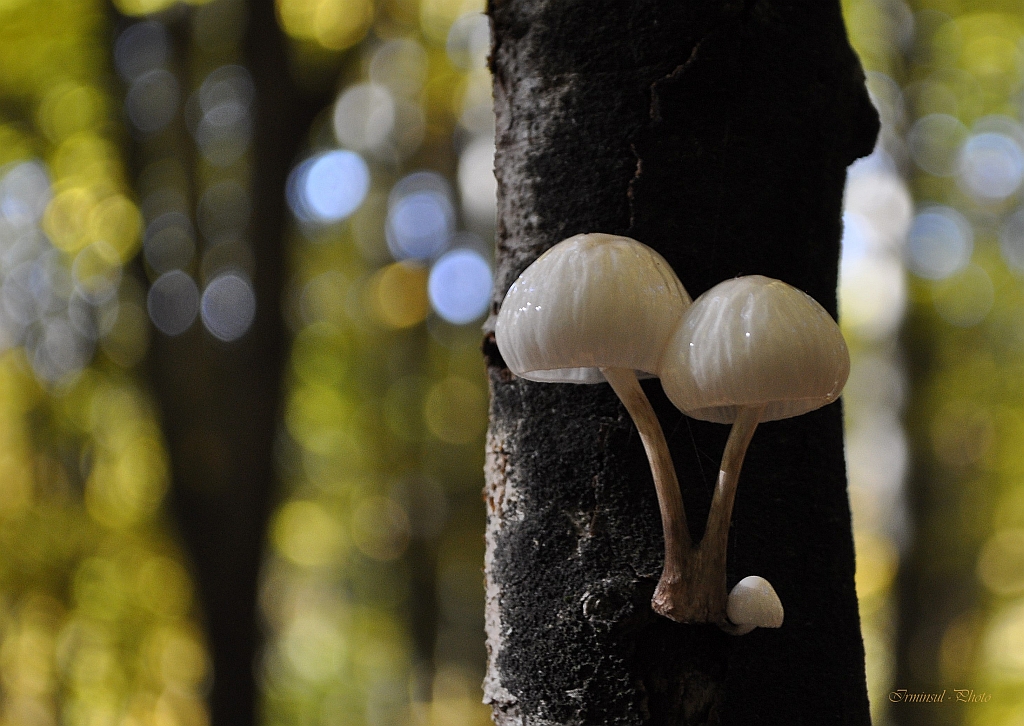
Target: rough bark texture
x=719 y=134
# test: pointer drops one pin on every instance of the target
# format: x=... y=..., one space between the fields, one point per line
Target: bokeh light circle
x=222 y=123
x=228 y=306
x=418 y=226
x=226 y=95
x=57 y=351
x=173 y=302
x=939 y=244
x=421 y=218
x=329 y=187
x=364 y=116
x=141 y=47
x=152 y=100
x=97 y=271
x=459 y=286
x=24 y=193
x=990 y=166
x=401 y=65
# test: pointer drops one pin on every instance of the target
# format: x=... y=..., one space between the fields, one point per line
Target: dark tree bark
x=719 y=134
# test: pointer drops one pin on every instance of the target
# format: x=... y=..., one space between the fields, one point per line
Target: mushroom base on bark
x=697 y=594
x=692 y=588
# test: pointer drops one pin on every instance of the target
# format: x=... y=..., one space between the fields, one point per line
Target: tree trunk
x=718 y=133
x=220 y=401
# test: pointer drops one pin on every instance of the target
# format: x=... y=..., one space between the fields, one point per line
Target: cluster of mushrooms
x=599 y=307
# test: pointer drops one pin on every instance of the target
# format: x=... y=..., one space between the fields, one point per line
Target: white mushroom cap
x=753 y=603
x=754 y=341
x=591 y=301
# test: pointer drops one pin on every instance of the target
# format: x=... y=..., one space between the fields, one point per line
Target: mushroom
x=753 y=603
x=748 y=350
x=595 y=308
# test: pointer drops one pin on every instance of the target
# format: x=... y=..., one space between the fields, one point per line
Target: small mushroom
x=753 y=603
x=750 y=349
x=599 y=307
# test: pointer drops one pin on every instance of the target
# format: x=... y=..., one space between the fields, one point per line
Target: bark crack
x=654 y=115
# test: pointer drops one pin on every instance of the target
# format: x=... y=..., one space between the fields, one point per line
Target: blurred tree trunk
x=952 y=488
x=220 y=402
x=718 y=133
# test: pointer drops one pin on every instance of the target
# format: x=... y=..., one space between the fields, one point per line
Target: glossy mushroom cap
x=753 y=603
x=591 y=301
x=754 y=342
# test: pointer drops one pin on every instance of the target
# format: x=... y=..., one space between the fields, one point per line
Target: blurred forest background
x=245 y=254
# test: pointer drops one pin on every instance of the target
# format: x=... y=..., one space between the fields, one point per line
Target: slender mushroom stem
x=692 y=584
x=714 y=544
x=678 y=548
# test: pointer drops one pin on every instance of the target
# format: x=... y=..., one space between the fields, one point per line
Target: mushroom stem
x=699 y=595
x=678 y=548
x=714 y=544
